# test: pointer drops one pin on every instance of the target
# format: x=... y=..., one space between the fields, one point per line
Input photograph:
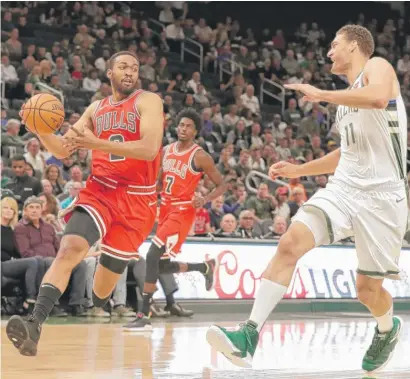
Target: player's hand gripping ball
x=43 y=114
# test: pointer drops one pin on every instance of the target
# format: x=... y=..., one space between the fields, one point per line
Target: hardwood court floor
x=305 y=346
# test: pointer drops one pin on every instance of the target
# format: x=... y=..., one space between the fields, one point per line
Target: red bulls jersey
x=179 y=175
x=120 y=122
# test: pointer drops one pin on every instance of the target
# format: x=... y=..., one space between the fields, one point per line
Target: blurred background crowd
x=192 y=54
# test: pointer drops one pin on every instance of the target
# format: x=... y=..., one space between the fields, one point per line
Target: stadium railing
x=156 y=26
x=187 y=48
x=187 y=45
x=252 y=181
x=44 y=87
x=229 y=67
x=267 y=87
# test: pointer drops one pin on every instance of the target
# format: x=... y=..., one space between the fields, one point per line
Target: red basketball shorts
x=175 y=222
x=124 y=214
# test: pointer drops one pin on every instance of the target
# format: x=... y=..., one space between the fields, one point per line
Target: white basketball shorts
x=376 y=220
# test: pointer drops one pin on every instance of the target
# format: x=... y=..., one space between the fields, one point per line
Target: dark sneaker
x=209 y=275
x=141 y=324
x=177 y=310
x=58 y=312
x=382 y=347
x=237 y=346
x=157 y=311
x=24 y=334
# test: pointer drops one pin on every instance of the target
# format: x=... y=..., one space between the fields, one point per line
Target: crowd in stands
x=68 y=54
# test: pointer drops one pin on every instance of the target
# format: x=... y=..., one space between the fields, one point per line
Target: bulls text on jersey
x=175 y=166
x=116 y=121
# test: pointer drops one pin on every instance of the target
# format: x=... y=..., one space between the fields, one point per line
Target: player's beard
x=123 y=90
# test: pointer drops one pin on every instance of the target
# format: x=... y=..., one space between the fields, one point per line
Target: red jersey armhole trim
x=191 y=159
x=97 y=108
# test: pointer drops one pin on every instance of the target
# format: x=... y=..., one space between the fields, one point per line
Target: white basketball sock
x=269 y=294
x=385 y=322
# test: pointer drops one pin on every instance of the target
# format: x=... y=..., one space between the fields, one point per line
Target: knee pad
x=98 y=302
x=113 y=264
x=153 y=261
x=154 y=253
x=82 y=224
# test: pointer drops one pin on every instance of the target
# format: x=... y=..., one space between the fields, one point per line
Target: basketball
x=43 y=114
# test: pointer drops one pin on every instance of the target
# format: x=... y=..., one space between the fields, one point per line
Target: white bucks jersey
x=373 y=145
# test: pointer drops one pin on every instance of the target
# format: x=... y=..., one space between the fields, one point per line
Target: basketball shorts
x=124 y=214
x=376 y=220
x=175 y=222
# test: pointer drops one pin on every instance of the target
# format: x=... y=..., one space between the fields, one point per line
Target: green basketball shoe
x=238 y=346
x=382 y=347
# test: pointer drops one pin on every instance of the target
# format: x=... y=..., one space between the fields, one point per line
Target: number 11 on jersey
x=352 y=139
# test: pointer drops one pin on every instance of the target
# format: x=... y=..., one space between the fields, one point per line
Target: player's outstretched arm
x=324 y=165
x=380 y=86
x=57 y=145
x=379 y=80
x=205 y=162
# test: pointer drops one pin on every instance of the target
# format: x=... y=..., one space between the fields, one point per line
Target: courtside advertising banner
x=324 y=273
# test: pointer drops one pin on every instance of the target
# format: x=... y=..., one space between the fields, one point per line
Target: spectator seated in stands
x=11 y=142
x=282 y=197
x=247 y=223
x=263 y=203
x=50 y=211
x=202 y=223
x=277 y=229
x=283 y=150
x=29 y=170
x=34 y=156
x=227 y=227
x=6 y=174
x=216 y=212
x=47 y=187
x=201 y=96
x=231 y=118
x=295 y=183
x=297 y=200
x=92 y=83
x=235 y=203
x=292 y=115
x=74 y=190
x=36 y=238
x=22 y=185
x=194 y=82
x=321 y=181
x=12 y=265
x=52 y=173
x=250 y=101
x=174 y=31
x=8 y=76
x=76 y=176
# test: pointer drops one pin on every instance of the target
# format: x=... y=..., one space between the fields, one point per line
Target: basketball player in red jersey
x=118 y=204
x=183 y=165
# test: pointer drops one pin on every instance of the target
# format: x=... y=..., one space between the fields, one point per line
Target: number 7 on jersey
x=169 y=180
